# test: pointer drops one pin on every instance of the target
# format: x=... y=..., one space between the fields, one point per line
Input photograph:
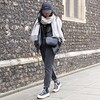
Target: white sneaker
x=43 y=94
x=57 y=86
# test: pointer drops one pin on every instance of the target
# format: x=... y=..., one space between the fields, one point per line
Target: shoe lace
x=43 y=92
x=55 y=85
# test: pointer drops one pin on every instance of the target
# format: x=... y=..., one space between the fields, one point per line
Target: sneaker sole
x=57 y=89
x=42 y=97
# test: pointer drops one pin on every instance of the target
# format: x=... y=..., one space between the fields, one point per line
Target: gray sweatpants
x=48 y=59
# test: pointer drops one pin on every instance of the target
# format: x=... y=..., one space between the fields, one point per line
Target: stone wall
x=84 y=36
x=16 y=21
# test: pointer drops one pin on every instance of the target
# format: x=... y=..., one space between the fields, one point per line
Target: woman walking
x=47 y=36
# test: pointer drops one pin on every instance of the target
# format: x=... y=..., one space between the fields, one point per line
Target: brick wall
x=16 y=22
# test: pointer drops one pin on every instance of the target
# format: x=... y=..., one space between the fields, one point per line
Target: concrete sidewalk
x=83 y=85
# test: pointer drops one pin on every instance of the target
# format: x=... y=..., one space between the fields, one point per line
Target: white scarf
x=56 y=27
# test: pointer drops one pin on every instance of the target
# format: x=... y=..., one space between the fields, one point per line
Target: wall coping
x=21 y=61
